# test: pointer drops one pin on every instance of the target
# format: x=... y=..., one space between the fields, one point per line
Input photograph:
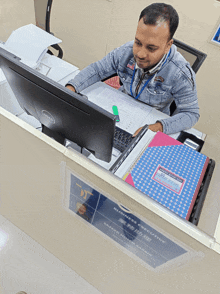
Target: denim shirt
x=175 y=80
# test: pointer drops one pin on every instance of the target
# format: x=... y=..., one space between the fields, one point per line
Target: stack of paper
x=30 y=43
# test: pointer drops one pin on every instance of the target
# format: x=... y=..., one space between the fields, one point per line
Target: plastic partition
x=37 y=178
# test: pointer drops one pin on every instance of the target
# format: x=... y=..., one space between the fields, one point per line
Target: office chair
x=42 y=16
x=193 y=56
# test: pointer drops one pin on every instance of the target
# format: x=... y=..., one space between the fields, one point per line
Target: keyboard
x=126 y=139
x=121 y=139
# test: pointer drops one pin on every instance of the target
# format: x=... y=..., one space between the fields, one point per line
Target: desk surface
x=133 y=115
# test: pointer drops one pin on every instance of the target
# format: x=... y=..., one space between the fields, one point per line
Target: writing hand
x=154 y=128
x=137 y=131
x=70 y=88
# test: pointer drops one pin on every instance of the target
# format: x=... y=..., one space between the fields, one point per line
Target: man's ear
x=169 y=44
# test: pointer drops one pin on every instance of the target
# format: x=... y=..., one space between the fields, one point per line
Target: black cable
x=47 y=20
x=47 y=26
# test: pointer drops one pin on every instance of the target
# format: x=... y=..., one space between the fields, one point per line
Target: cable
x=47 y=26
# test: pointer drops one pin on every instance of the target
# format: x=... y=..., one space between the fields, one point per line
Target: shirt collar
x=156 y=68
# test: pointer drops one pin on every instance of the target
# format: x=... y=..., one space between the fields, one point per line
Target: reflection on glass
x=131 y=226
x=3 y=239
x=82 y=211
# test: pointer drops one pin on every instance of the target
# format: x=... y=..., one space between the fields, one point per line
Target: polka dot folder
x=170 y=173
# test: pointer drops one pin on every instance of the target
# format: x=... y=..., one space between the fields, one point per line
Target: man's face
x=82 y=209
x=151 y=43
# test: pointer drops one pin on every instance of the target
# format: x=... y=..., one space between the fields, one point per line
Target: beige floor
x=27 y=266
x=16 y=13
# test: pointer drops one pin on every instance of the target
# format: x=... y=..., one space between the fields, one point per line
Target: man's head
x=81 y=208
x=156 y=27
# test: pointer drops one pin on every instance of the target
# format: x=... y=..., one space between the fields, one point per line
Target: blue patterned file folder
x=170 y=173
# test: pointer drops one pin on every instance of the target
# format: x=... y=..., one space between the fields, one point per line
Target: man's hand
x=71 y=88
x=137 y=131
x=154 y=128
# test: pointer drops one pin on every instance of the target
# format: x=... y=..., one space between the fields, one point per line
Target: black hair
x=156 y=12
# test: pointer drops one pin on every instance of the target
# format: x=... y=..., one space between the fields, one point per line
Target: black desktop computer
x=62 y=113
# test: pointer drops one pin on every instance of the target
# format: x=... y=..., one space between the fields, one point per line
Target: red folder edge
x=197 y=188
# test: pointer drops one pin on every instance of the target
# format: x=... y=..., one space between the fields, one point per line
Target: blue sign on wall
x=216 y=38
x=121 y=226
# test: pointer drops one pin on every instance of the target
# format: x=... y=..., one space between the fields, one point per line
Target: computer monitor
x=62 y=113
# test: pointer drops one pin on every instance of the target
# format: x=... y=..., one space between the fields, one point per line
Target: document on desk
x=133 y=114
x=57 y=69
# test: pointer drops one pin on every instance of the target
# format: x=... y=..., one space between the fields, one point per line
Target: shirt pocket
x=158 y=89
x=159 y=95
x=125 y=78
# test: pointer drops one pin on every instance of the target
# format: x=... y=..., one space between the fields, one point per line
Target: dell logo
x=48 y=116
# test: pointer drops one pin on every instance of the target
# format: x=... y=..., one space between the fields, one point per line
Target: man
x=82 y=211
x=151 y=70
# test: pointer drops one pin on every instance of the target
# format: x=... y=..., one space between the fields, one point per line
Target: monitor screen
x=62 y=113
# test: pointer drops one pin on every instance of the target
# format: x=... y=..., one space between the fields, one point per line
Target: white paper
x=30 y=43
x=55 y=68
x=133 y=114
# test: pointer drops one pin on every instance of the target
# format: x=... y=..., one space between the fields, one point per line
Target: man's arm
x=186 y=114
x=97 y=71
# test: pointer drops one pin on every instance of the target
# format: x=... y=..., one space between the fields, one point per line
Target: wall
x=14 y=14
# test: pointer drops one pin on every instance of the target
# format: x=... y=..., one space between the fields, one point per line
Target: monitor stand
x=73 y=146
x=57 y=137
x=60 y=139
